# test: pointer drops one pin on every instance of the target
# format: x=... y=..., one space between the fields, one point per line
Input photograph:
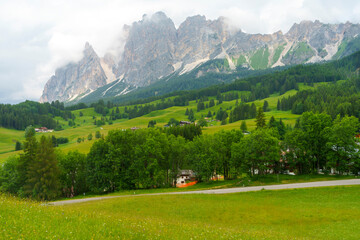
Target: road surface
x=224 y=190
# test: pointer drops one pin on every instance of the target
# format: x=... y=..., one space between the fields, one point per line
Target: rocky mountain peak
x=148 y=50
x=303 y=29
x=197 y=20
x=74 y=80
x=200 y=39
x=154 y=48
x=158 y=18
x=89 y=52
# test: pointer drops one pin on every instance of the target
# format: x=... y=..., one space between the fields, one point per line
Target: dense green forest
x=148 y=158
x=21 y=115
x=338 y=98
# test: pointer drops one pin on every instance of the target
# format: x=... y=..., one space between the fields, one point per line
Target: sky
x=39 y=36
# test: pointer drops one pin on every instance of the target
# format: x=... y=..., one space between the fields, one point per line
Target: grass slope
x=319 y=213
x=277 y=54
x=8 y=138
x=260 y=59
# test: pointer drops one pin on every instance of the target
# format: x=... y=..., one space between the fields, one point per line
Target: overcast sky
x=38 y=36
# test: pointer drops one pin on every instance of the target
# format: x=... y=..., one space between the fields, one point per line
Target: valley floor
x=315 y=213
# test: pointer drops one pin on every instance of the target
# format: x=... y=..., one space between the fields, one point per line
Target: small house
x=185 y=175
x=43 y=130
x=184 y=123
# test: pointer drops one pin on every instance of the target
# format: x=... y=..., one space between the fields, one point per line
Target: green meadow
x=321 y=213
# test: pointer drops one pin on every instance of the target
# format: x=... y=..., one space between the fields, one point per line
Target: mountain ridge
x=155 y=49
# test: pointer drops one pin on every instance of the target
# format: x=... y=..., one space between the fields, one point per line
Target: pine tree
x=297 y=123
x=43 y=175
x=97 y=134
x=200 y=106
x=27 y=159
x=252 y=111
x=224 y=118
x=278 y=107
x=191 y=116
x=272 y=122
x=243 y=126
x=281 y=129
x=187 y=112
x=18 y=146
x=266 y=106
x=260 y=118
x=90 y=136
x=211 y=103
x=54 y=141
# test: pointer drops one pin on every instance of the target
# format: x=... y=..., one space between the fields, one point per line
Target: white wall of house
x=182 y=179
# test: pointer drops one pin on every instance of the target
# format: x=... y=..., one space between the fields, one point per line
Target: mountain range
x=156 y=53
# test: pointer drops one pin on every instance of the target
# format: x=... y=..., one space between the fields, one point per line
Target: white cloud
x=39 y=36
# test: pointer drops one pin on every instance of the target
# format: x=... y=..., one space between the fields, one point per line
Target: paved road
x=225 y=190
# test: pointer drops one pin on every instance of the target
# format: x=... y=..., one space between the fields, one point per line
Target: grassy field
x=319 y=213
x=8 y=138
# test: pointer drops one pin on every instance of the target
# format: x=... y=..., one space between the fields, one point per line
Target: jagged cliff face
x=75 y=79
x=317 y=41
x=199 y=40
x=155 y=48
x=149 y=49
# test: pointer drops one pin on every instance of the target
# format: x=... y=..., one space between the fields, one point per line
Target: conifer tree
x=224 y=119
x=191 y=116
x=252 y=110
x=278 y=107
x=281 y=129
x=272 y=122
x=90 y=136
x=260 y=118
x=17 y=146
x=97 y=134
x=243 y=126
x=43 y=174
x=266 y=106
x=27 y=159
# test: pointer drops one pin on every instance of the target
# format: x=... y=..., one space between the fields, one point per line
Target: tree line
x=336 y=98
x=21 y=115
x=149 y=158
